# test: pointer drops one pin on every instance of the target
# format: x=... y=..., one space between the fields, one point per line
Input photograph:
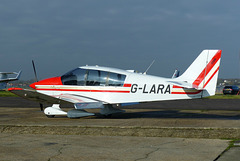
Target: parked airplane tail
x=4 y=78
x=202 y=74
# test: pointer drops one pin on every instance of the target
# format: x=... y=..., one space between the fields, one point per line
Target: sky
x=60 y=35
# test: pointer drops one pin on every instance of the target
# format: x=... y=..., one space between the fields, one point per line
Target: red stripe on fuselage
x=127 y=85
x=84 y=90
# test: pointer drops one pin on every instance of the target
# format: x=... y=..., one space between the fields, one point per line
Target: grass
x=6 y=94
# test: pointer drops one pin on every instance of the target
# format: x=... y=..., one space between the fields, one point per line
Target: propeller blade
x=35 y=73
x=36 y=78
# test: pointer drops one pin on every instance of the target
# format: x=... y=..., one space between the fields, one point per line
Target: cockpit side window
x=103 y=78
x=93 y=78
x=96 y=78
x=116 y=79
x=74 y=77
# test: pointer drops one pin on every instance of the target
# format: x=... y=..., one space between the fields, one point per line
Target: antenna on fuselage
x=149 y=67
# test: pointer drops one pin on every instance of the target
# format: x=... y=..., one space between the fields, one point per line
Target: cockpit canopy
x=89 y=77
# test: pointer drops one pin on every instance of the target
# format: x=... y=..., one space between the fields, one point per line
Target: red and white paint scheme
x=101 y=87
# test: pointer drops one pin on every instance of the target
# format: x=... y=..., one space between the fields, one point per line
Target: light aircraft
x=89 y=87
x=4 y=79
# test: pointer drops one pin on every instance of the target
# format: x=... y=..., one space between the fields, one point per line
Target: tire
x=50 y=116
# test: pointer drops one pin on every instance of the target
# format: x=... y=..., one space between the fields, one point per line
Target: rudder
x=203 y=72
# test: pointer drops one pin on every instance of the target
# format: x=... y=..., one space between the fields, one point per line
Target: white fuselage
x=137 y=87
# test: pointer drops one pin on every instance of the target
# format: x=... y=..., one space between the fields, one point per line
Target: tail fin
x=203 y=72
x=176 y=74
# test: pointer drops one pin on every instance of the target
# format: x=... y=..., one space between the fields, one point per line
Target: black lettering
x=134 y=88
x=160 y=87
x=167 y=90
x=144 y=89
x=153 y=89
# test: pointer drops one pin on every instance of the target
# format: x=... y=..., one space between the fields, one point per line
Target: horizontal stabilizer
x=181 y=84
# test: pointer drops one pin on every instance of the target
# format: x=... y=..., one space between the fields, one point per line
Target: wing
x=36 y=96
x=79 y=102
x=10 y=79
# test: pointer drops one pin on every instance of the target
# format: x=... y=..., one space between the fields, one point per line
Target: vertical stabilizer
x=203 y=72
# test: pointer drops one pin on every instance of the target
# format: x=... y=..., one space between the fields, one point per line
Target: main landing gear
x=55 y=110
x=50 y=112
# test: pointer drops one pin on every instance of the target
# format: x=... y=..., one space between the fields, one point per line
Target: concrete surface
x=158 y=131
x=112 y=148
x=135 y=122
x=230 y=155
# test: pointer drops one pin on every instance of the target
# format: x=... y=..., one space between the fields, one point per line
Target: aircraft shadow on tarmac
x=178 y=114
x=227 y=109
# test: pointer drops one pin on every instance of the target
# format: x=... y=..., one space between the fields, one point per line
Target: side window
x=74 y=77
x=116 y=79
x=103 y=78
x=81 y=75
x=93 y=78
x=96 y=78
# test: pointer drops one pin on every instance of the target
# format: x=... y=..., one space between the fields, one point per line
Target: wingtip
x=14 y=89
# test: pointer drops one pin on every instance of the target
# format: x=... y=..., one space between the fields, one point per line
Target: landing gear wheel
x=50 y=116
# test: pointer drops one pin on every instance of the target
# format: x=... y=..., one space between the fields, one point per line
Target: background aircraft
x=176 y=74
x=89 y=87
x=4 y=78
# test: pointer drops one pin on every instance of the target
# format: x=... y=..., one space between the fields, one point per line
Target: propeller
x=36 y=79
x=35 y=72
